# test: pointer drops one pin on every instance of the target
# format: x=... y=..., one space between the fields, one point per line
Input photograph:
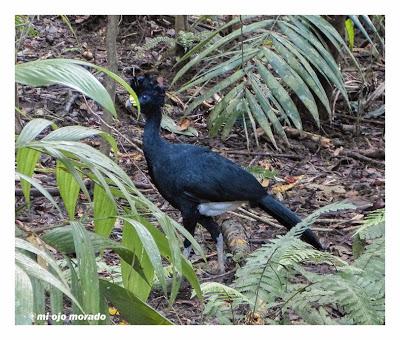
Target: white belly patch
x=217 y=208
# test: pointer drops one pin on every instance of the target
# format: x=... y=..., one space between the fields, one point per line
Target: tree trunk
x=18 y=122
x=112 y=65
x=181 y=24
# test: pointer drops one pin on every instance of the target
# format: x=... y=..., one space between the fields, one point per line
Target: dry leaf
x=38 y=243
x=291 y=182
x=328 y=190
x=136 y=156
x=338 y=151
x=265 y=183
x=184 y=124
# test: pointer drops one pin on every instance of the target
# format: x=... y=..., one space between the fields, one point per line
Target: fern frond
x=222 y=301
x=300 y=254
x=265 y=275
x=154 y=42
x=353 y=298
x=222 y=291
x=373 y=226
x=342 y=205
x=372 y=263
x=275 y=283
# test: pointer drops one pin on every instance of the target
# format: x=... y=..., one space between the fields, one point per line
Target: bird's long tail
x=287 y=218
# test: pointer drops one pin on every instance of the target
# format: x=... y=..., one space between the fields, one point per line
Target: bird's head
x=150 y=92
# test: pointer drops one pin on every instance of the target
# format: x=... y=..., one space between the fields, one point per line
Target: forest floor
x=342 y=160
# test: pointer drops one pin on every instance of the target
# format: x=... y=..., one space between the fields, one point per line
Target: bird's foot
x=187 y=251
x=220 y=254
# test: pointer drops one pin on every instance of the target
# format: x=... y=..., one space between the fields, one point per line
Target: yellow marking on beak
x=132 y=100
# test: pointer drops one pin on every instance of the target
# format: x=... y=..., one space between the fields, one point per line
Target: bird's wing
x=210 y=177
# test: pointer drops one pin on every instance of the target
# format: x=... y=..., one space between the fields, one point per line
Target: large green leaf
x=281 y=95
x=56 y=304
x=294 y=81
x=151 y=249
x=70 y=165
x=31 y=131
x=75 y=288
x=22 y=244
x=64 y=72
x=33 y=269
x=104 y=212
x=203 y=43
x=41 y=189
x=315 y=59
x=235 y=34
x=168 y=226
x=62 y=240
x=350 y=32
x=87 y=268
x=112 y=75
x=39 y=303
x=262 y=99
x=260 y=116
x=139 y=284
x=165 y=250
x=88 y=157
x=26 y=163
x=214 y=120
x=220 y=69
x=131 y=308
x=23 y=298
x=68 y=187
x=219 y=87
x=77 y=133
x=301 y=66
x=27 y=158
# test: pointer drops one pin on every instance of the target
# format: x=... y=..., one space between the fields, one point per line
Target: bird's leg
x=187 y=251
x=187 y=248
x=190 y=225
x=216 y=234
x=220 y=253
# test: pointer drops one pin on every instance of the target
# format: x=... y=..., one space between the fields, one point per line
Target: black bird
x=197 y=181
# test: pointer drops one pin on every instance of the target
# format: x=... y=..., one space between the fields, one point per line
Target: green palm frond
x=276 y=60
x=363 y=22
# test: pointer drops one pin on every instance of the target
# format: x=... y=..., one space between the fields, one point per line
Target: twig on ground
x=263 y=153
x=358 y=156
x=214 y=277
x=70 y=102
x=259 y=218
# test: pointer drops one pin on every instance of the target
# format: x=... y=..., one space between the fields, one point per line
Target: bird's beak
x=130 y=104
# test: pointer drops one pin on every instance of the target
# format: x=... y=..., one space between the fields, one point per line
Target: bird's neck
x=151 y=137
